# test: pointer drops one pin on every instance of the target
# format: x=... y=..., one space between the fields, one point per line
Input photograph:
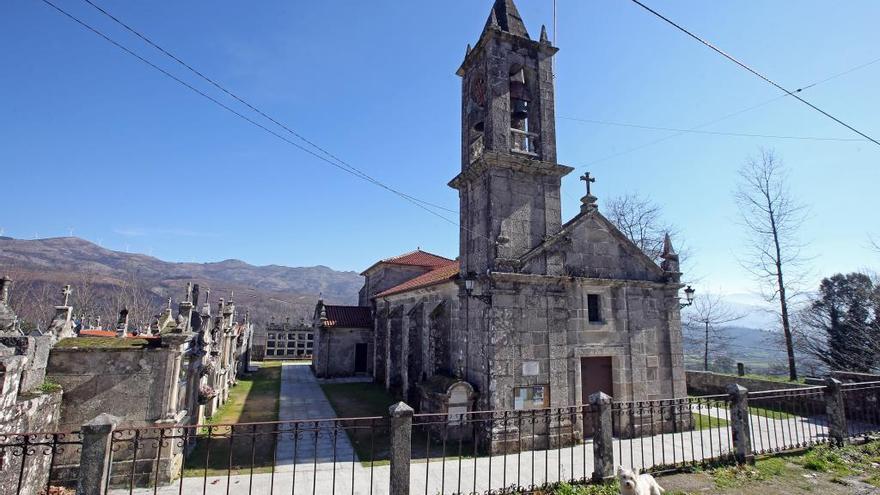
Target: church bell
x=519 y=100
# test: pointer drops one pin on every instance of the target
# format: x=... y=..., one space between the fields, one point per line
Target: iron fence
x=787 y=419
x=36 y=463
x=326 y=456
x=454 y=452
x=665 y=434
x=500 y=451
x=862 y=408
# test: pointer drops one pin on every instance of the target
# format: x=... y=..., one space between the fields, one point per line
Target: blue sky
x=94 y=141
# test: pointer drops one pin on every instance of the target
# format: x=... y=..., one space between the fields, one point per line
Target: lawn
x=241 y=447
x=355 y=400
x=704 y=422
x=846 y=471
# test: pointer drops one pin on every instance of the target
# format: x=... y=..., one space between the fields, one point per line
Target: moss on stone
x=101 y=343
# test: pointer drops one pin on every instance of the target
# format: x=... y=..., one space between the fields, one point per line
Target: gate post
x=739 y=424
x=94 y=458
x=603 y=446
x=401 y=447
x=835 y=408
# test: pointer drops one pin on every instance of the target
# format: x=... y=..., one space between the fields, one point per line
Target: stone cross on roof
x=66 y=291
x=589 y=179
x=588 y=202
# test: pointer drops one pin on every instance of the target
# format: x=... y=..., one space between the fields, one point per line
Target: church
x=533 y=312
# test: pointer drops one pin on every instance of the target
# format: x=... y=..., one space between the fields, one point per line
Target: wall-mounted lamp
x=688 y=296
x=469 y=289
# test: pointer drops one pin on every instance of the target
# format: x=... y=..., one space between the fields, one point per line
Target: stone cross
x=169 y=303
x=589 y=180
x=66 y=293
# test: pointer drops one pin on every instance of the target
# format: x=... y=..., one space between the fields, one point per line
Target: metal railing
x=787 y=419
x=454 y=452
x=862 y=408
x=500 y=451
x=324 y=456
x=37 y=463
x=665 y=434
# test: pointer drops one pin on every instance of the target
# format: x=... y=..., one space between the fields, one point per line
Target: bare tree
x=706 y=319
x=772 y=219
x=141 y=303
x=641 y=221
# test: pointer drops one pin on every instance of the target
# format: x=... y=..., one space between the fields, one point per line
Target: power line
x=733 y=114
x=715 y=133
x=350 y=168
x=755 y=72
x=412 y=200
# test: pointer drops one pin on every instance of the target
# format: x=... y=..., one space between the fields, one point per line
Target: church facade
x=534 y=312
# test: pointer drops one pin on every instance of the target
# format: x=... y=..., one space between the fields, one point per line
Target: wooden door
x=595 y=377
x=360 y=358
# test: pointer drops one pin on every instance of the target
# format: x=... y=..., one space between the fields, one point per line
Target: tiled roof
x=414 y=258
x=435 y=276
x=348 y=316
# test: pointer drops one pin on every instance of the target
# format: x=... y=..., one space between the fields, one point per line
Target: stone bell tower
x=509 y=185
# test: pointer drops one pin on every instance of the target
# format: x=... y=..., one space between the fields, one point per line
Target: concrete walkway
x=301 y=398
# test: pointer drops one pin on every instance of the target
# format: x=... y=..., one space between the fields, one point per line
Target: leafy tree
x=841 y=326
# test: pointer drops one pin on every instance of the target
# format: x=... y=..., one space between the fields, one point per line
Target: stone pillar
x=740 y=369
x=401 y=447
x=603 y=446
x=94 y=461
x=739 y=424
x=835 y=407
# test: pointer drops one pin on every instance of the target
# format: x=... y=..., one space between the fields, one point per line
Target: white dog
x=637 y=484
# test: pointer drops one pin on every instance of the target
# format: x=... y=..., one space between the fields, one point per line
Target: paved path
x=301 y=398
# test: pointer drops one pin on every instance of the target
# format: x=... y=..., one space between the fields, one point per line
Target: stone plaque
x=456 y=414
x=530 y=368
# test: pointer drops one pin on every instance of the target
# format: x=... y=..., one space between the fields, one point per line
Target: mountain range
x=267 y=291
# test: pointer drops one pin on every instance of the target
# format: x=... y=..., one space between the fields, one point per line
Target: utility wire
x=351 y=169
x=733 y=114
x=715 y=133
x=755 y=72
x=232 y=110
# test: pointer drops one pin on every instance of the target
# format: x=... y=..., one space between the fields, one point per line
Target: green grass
x=355 y=400
x=254 y=399
x=704 y=422
x=611 y=488
x=734 y=476
x=845 y=461
x=862 y=462
x=49 y=386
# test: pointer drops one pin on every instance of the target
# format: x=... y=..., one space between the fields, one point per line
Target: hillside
x=266 y=290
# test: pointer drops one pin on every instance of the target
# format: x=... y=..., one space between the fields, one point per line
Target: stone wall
x=709 y=383
x=853 y=377
x=129 y=383
x=417 y=338
x=335 y=351
x=34 y=352
x=25 y=409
